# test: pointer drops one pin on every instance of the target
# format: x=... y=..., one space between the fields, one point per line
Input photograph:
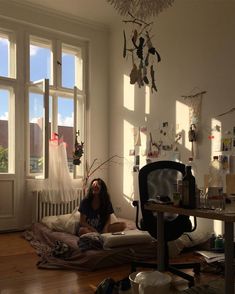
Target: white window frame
x=56 y=89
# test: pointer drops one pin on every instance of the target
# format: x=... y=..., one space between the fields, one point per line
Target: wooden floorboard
x=19 y=273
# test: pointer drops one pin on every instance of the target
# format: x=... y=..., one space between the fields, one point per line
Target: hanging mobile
x=78 y=150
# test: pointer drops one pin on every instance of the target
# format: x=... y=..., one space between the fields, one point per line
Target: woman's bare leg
x=116 y=227
x=84 y=230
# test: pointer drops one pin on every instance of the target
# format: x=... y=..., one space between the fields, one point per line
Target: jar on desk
x=219 y=243
x=215 y=199
x=201 y=198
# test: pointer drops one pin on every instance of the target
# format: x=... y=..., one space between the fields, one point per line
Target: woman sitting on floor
x=96 y=209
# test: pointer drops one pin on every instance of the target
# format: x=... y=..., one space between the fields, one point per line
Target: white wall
x=196 y=42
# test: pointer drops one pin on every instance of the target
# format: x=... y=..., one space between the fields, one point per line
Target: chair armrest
x=135 y=203
x=195 y=224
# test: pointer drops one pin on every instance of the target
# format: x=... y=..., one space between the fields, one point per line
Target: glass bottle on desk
x=215 y=185
x=193 y=165
x=188 y=189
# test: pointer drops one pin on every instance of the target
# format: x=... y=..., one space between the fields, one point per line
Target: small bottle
x=212 y=241
x=188 y=189
x=219 y=243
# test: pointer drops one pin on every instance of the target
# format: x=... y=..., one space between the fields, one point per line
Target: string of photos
x=144 y=55
x=78 y=150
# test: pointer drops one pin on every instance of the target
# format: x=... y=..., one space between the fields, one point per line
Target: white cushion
x=64 y=223
x=127 y=238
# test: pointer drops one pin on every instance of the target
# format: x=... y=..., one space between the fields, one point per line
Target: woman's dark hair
x=104 y=197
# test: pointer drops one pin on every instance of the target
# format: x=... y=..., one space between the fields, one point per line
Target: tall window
x=63 y=66
x=6 y=130
x=7 y=101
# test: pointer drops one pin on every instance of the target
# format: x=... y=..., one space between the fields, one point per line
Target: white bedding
x=63 y=223
x=68 y=222
x=128 y=237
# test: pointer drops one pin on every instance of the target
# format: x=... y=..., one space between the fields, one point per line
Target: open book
x=211 y=256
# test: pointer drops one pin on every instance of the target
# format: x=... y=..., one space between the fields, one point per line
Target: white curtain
x=58 y=187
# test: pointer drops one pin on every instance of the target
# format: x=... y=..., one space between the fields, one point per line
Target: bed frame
x=47 y=209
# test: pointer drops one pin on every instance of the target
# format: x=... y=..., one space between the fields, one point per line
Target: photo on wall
x=226 y=144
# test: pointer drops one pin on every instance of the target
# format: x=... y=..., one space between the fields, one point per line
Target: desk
x=227 y=216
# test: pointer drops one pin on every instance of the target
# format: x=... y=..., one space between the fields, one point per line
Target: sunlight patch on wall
x=128 y=143
x=129 y=94
x=216 y=130
x=143 y=151
x=182 y=122
x=218 y=227
x=147 y=100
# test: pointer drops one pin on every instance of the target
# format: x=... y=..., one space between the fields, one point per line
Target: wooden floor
x=19 y=273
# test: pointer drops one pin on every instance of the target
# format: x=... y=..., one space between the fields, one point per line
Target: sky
x=40 y=60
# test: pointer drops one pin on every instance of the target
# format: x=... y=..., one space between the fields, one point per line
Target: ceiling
x=92 y=10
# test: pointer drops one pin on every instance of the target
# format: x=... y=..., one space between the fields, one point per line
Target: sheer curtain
x=58 y=187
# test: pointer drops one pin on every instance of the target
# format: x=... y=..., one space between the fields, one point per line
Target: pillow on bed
x=63 y=223
x=124 y=238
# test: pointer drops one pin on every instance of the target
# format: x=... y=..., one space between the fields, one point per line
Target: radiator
x=47 y=209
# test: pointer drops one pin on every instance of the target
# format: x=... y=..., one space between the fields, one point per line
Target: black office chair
x=157 y=181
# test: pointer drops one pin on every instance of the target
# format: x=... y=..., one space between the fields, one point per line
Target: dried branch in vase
x=90 y=170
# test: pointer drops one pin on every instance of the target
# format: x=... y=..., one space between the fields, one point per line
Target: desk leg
x=229 y=254
x=160 y=242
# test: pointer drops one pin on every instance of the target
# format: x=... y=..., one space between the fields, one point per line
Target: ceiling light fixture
x=141 y=9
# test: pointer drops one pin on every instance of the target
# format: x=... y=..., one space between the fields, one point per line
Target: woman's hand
x=83 y=223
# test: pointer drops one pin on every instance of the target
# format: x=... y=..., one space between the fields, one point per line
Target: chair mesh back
x=162 y=182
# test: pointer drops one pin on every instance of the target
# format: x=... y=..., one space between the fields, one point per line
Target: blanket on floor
x=59 y=250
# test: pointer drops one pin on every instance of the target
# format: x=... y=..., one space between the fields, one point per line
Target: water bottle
x=215 y=197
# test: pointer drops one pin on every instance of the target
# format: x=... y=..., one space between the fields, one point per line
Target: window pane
x=65 y=126
x=68 y=70
x=71 y=67
x=4 y=56
x=40 y=61
x=4 y=125
x=36 y=132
